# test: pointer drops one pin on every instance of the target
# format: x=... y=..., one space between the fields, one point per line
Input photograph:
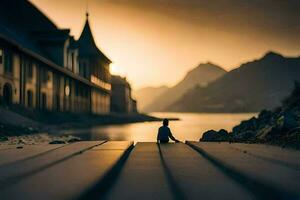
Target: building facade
x=121 y=98
x=44 y=67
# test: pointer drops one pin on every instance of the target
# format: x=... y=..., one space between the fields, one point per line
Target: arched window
x=8 y=62
x=29 y=98
x=44 y=101
x=29 y=70
x=7 y=94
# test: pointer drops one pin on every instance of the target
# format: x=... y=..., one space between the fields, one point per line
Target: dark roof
x=15 y=36
x=24 y=15
x=87 y=45
x=25 y=25
x=51 y=35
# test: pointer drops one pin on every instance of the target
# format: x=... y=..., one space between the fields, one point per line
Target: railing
x=100 y=83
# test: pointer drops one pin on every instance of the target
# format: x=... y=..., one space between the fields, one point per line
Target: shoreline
x=18 y=123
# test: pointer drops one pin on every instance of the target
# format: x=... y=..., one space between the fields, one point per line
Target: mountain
x=199 y=76
x=146 y=95
x=260 y=84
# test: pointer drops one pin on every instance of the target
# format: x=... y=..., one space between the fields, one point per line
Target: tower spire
x=87 y=9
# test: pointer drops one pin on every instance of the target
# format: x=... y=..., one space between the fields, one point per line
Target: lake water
x=190 y=127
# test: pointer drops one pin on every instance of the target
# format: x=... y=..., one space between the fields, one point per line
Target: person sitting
x=164 y=133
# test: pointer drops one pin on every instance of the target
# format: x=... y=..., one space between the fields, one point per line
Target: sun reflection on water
x=190 y=127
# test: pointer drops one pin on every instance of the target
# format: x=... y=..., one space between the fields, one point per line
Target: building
x=44 y=67
x=94 y=66
x=121 y=99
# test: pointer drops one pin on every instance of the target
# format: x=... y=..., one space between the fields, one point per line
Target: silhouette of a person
x=164 y=133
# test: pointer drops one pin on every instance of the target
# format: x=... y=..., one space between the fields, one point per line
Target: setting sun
x=113 y=68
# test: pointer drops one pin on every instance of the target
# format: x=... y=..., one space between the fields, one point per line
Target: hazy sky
x=155 y=42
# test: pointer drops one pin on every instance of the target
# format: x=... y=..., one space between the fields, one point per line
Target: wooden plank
x=275 y=154
x=13 y=154
x=16 y=171
x=114 y=145
x=142 y=176
x=67 y=179
x=274 y=181
x=197 y=177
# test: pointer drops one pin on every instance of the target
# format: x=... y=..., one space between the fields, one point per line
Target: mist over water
x=190 y=127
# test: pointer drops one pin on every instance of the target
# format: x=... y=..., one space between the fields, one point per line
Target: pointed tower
x=87 y=45
x=94 y=66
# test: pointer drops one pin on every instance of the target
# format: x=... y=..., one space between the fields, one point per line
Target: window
x=72 y=61
x=82 y=69
x=44 y=101
x=1 y=56
x=7 y=94
x=8 y=62
x=29 y=70
x=76 y=89
x=45 y=76
x=29 y=98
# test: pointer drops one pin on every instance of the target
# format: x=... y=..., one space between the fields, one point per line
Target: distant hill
x=199 y=76
x=146 y=95
x=256 y=85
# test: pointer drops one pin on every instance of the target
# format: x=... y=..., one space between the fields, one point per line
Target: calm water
x=189 y=127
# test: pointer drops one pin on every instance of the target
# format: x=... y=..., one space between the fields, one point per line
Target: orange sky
x=156 y=42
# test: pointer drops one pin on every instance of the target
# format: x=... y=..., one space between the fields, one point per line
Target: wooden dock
x=122 y=170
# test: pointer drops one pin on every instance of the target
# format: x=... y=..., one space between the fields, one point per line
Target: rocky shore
x=280 y=126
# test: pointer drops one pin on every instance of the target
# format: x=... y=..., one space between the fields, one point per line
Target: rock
x=268 y=133
x=57 y=142
x=209 y=135
x=223 y=132
x=287 y=122
x=247 y=125
x=292 y=138
x=3 y=138
x=21 y=141
x=215 y=136
x=74 y=140
x=262 y=133
x=265 y=115
x=280 y=126
x=244 y=136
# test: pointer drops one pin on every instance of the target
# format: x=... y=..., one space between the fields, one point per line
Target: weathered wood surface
x=266 y=178
x=196 y=177
x=275 y=154
x=10 y=153
x=173 y=171
x=142 y=176
x=110 y=170
x=70 y=177
x=14 y=172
